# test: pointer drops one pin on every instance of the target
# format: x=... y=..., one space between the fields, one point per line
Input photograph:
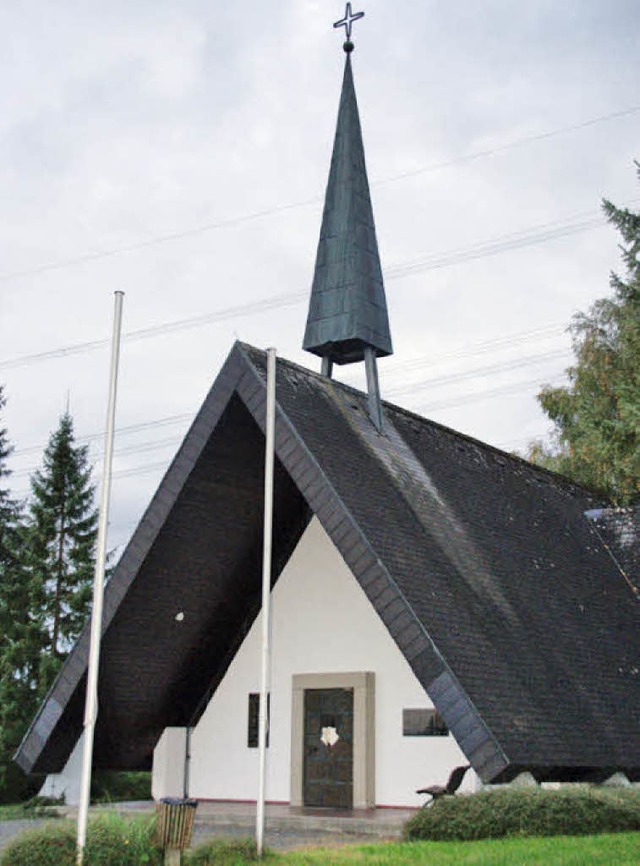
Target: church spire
x=348 y=319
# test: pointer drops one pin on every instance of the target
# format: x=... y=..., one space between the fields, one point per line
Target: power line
x=478 y=348
x=522 y=440
x=86 y=258
x=482 y=347
x=151 y=445
x=120 y=431
x=514 y=388
x=464 y=376
x=228 y=222
x=142 y=470
x=251 y=308
x=493 y=246
x=492 y=151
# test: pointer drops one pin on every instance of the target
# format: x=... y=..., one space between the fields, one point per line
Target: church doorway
x=332 y=740
x=328 y=748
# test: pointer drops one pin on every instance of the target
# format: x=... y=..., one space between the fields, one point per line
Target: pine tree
x=9 y=517
x=597 y=416
x=61 y=534
x=18 y=661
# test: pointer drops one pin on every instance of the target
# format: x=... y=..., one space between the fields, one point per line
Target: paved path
x=9 y=829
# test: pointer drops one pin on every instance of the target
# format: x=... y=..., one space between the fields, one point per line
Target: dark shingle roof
x=485 y=570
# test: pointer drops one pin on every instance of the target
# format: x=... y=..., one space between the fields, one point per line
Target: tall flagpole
x=91 y=700
x=266 y=592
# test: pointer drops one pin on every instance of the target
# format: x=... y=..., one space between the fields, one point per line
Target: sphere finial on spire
x=347 y=23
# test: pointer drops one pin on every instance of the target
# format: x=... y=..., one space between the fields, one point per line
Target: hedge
x=574 y=811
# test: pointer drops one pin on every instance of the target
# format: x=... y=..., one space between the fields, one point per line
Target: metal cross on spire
x=348 y=20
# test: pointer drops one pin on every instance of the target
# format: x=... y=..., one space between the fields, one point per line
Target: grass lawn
x=12 y=811
x=25 y=811
x=615 y=849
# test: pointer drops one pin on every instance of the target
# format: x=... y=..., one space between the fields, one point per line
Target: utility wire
x=152 y=242
x=493 y=246
x=256 y=215
x=157 y=330
x=522 y=440
x=474 y=349
x=514 y=388
x=495 y=369
x=120 y=431
x=497 y=344
x=489 y=370
x=492 y=151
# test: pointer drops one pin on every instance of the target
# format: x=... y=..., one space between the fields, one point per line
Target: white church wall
x=322 y=622
x=67 y=783
x=167 y=778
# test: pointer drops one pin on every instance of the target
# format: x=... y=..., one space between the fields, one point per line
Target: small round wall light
x=180 y=616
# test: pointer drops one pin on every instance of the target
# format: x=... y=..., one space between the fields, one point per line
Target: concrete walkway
x=286 y=827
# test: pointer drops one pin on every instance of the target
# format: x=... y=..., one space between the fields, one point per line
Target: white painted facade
x=322 y=623
x=167 y=779
x=67 y=783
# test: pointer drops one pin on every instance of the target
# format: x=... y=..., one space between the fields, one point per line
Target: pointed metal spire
x=348 y=311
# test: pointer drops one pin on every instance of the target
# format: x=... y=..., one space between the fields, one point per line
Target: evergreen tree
x=597 y=416
x=17 y=667
x=60 y=557
x=9 y=517
x=46 y=572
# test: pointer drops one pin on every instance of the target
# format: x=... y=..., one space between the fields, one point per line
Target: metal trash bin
x=175 y=822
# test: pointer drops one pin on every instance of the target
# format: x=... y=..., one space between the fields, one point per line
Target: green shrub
x=111 y=841
x=574 y=811
x=109 y=786
x=223 y=852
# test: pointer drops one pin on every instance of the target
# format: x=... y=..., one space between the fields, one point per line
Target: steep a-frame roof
x=485 y=570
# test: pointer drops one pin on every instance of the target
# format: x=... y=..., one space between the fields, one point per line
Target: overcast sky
x=179 y=151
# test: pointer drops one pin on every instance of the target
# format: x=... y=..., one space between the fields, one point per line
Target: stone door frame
x=364 y=752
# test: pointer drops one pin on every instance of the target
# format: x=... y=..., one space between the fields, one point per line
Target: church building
x=436 y=602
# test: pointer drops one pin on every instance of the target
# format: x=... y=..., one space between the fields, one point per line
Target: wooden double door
x=328 y=748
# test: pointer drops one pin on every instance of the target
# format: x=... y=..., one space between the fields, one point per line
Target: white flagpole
x=91 y=699
x=266 y=591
